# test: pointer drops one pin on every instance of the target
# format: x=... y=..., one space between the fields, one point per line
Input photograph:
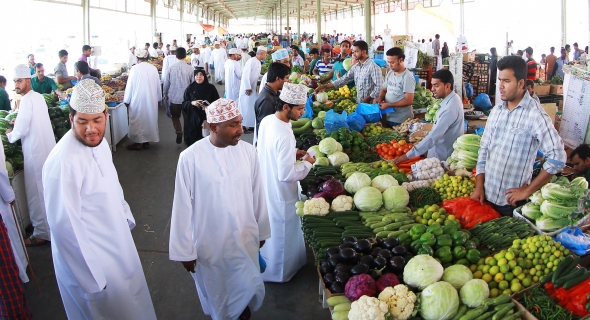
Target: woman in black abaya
x=194 y=96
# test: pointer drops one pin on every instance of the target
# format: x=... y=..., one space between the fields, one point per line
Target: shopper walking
x=398 y=90
x=176 y=81
x=233 y=75
x=366 y=75
x=219 y=201
x=278 y=73
x=218 y=58
x=248 y=92
x=285 y=250
x=515 y=130
x=97 y=267
x=142 y=95
x=33 y=128
x=197 y=95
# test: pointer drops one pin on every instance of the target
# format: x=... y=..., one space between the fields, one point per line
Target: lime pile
x=451 y=187
x=433 y=214
x=521 y=265
x=372 y=130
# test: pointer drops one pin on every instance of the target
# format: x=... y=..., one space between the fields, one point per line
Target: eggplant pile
x=376 y=257
x=307 y=141
x=316 y=178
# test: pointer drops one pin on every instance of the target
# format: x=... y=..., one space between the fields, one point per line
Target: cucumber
x=572 y=282
x=377 y=230
x=462 y=310
x=486 y=315
x=501 y=299
x=374 y=219
x=334 y=214
x=392 y=226
x=474 y=313
x=514 y=316
x=547 y=278
x=382 y=234
x=502 y=306
x=568 y=263
x=319 y=224
x=378 y=224
x=569 y=277
x=395 y=234
x=407 y=227
x=405 y=219
x=347 y=218
x=500 y=314
x=327 y=234
x=340 y=315
x=344 y=223
x=327 y=229
x=342 y=307
x=336 y=300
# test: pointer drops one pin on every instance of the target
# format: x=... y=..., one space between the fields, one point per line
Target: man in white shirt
x=233 y=75
x=244 y=54
x=33 y=128
x=153 y=50
x=196 y=61
x=142 y=94
x=284 y=252
x=97 y=267
x=168 y=62
x=248 y=92
x=219 y=203
x=218 y=57
x=205 y=56
x=132 y=57
x=297 y=59
x=179 y=76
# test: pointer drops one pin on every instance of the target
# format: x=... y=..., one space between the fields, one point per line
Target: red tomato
x=395 y=145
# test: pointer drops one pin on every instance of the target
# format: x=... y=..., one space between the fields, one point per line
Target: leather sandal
x=135 y=146
x=35 y=242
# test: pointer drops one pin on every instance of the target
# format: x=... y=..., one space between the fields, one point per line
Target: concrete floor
x=147 y=178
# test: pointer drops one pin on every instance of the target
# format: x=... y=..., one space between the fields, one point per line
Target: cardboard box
x=551 y=109
x=399 y=41
x=469 y=57
x=542 y=90
x=556 y=89
x=384 y=71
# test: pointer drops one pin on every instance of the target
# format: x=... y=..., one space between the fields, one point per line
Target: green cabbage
x=395 y=197
x=329 y=146
x=383 y=182
x=440 y=301
x=457 y=275
x=368 y=199
x=579 y=182
x=474 y=292
x=317 y=123
x=318 y=153
x=322 y=161
x=531 y=211
x=356 y=181
x=422 y=271
x=347 y=64
x=548 y=224
x=338 y=158
x=555 y=210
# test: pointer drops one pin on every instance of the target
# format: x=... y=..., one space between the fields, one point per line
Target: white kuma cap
x=88 y=97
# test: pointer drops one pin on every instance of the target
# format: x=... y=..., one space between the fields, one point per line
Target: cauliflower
x=399 y=300
x=316 y=207
x=342 y=203
x=367 y=308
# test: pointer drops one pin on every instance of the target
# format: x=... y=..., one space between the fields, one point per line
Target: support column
x=86 y=21
x=197 y=13
x=563 y=24
x=462 y=22
x=299 y=20
x=280 y=17
x=153 y=16
x=181 y=7
x=288 y=30
x=319 y=22
x=407 y=18
x=367 y=8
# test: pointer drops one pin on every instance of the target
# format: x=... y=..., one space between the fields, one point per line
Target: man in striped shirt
x=324 y=65
x=366 y=75
x=515 y=130
x=531 y=65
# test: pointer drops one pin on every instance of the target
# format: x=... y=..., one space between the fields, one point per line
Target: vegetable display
x=368 y=308
x=451 y=187
x=458 y=275
x=466 y=152
x=393 y=149
x=373 y=129
x=422 y=271
x=368 y=199
x=470 y=212
x=540 y=305
x=399 y=300
x=421 y=197
x=500 y=233
x=473 y=292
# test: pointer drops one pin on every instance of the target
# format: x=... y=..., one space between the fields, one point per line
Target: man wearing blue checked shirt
x=515 y=130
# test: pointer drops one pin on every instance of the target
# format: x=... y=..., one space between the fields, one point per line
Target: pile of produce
x=350 y=140
x=374 y=170
x=423 y=98
x=374 y=129
x=432 y=111
x=466 y=152
x=385 y=137
x=500 y=233
x=557 y=79
x=371 y=198
x=428 y=169
x=12 y=151
x=51 y=99
x=393 y=149
x=307 y=140
x=316 y=177
x=470 y=212
x=345 y=105
x=451 y=187
x=404 y=128
x=574 y=298
x=364 y=157
x=538 y=302
x=551 y=207
x=526 y=262
x=387 y=224
x=342 y=92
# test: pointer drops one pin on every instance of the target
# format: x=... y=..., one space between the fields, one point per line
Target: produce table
x=118 y=126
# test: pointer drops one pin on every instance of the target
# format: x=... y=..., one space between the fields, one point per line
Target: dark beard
x=84 y=142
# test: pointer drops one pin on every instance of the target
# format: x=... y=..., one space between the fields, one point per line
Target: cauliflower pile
x=367 y=308
x=399 y=300
x=342 y=203
x=316 y=207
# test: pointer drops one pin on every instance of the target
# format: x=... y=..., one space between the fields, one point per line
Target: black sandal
x=135 y=146
x=35 y=242
x=246 y=314
x=146 y=145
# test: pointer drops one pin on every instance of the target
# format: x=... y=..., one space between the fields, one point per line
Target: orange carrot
x=412 y=160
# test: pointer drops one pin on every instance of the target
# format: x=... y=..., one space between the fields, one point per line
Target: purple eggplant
x=380 y=263
x=368 y=260
x=325 y=268
x=399 y=251
x=346 y=245
x=342 y=277
x=341 y=267
x=359 y=269
x=332 y=251
x=390 y=243
x=386 y=254
x=337 y=287
x=350 y=239
x=374 y=275
x=347 y=255
x=329 y=279
x=397 y=264
x=363 y=246
x=333 y=261
x=375 y=251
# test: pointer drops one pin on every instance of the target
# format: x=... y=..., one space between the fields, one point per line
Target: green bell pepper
x=418 y=229
x=475 y=240
x=459 y=238
x=473 y=255
x=416 y=236
x=426 y=249
x=427 y=239
x=449 y=229
x=463 y=261
x=404 y=238
x=444 y=254
x=444 y=240
x=435 y=229
x=459 y=252
x=470 y=244
x=415 y=245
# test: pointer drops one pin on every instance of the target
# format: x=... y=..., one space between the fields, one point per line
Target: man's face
x=509 y=87
x=395 y=63
x=229 y=132
x=22 y=85
x=439 y=88
x=581 y=166
x=133 y=50
x=295 y=113
x=282 y=81
x=327 y=56
x=89 y=128
x=357 y=52
x=217 y=46
x=161 y=46
x=40 y=72
x=238 y=57
x=295 y=52
x=87 y=52
x=261 y=55
x=286 y=62
x=345 y=49
x=147 y=46
x=64 y=59
x=31 y=59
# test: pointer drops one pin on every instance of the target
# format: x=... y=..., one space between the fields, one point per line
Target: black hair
x=147 y=44
x=552 y=49
x=516 y=64
x=519 y=52
x=396 y=52
x=280 y=103
x=62 y=53
x=362 y=45
x=529 y=83
x=81 y=66
x=167 y=45
x=493 y=49
x=2 y=79
x=181 y=53
x=567 y=46
x=155 y=45
x=575 y=44
x=346 y=41
x=38 y=65
x=294 y=47
x=174 y=40
x=314 y=51
x=86 y=47
x=445 y=76
x=529 y=50
x=277 y=70
x=582 y=151
x=325 y=39
x=437 y=36
x=29 y=55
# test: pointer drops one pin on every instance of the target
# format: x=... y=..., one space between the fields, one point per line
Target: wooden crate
x=542 y=90
x=556 y=89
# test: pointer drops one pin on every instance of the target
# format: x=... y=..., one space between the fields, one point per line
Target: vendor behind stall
x=398 y=89
x=449 y=122
x=83 y=72
x=61 y=72
x=515 y=130
x=86 y=52
x=40 y=83
x=580 y=160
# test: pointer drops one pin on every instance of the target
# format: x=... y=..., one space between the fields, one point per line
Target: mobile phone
x=205 y=103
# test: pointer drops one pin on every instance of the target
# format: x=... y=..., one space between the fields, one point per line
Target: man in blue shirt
x=83 y=72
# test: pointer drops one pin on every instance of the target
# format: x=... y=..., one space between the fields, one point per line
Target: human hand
x=300 y=154
x=196 y=103
x=189 y=265
x=319 y=89
x=515 y=195
x=8 y=131
x=401 y=158
x=248 y=92
x=383 y=105
x=309 y=158
x=478 y=195
x=12 y=121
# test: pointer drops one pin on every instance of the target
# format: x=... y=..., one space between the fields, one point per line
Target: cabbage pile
x=333 y=149
x=466 y=152
x=370 y=195
x=550 y=208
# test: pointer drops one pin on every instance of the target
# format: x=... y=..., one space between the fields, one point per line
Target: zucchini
x=568 y=263
x=344 y=223
x=336 y=300
x=340 y=315
x=395 y=234
x=347 y=218
x=501 y=299
x=462 y=311
x=378 y=224
x=392 y=226
x=405 y=219
x=514 y=316
x=401 y=210
x=486 y=315
x=326 y=229
x=377 y=230
x=327 y=234
x=474 y=313
x=407 y=227
x=572 y=282
x=569 y=277
x=342 y=307
x=382 y=234
x=500 y=314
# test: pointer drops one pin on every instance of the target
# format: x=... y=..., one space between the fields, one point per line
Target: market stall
x=405 y=240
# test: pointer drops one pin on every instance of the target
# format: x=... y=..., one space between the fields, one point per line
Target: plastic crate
x=517 y=215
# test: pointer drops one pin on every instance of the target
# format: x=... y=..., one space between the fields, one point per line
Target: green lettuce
x=531 y=211
x=556 y=210
x=548 y=224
